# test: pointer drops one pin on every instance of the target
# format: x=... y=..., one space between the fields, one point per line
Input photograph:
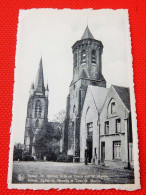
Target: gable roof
x=99 y=94
x=87 y=34
x=124 y=94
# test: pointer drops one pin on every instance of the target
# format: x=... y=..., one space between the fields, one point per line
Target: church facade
x=87 y=69
x=37 y=112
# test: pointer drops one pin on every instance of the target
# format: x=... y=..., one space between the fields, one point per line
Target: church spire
x=39 y=82
x=87 y=34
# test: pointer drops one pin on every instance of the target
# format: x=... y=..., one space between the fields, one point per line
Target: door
x=102 y=151
x=89 y=147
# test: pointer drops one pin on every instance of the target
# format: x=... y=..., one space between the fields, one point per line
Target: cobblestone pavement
x=56 y=172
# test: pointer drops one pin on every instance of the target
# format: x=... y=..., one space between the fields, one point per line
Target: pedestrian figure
x=86 y=156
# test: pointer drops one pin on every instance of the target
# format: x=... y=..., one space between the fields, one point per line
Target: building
x=37 y=111
x=87 y=70
x=89 y=128
x=106 y=128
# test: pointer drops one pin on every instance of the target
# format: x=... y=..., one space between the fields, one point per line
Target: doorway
x=89 y=147
x=102 y=152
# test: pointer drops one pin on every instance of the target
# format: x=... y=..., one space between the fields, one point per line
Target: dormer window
x=83 y=56
x=93 y=56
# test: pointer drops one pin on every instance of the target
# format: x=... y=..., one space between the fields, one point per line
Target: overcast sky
x=51 y=33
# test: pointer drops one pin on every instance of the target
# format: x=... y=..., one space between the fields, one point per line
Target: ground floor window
x=117 y=150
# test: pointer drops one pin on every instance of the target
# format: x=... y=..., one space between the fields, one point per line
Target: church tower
x=37 y=111
x=87 y=70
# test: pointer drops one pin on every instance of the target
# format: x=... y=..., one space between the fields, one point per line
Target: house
x=106 y=128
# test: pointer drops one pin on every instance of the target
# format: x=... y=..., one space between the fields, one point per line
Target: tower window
x=37 y=123
x=75 y=60
x=94 y=83
x=93 y=56
x=83 y=56
x=38 y=109
x=74 y=109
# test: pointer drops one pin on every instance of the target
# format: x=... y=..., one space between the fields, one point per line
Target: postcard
x=74 y=118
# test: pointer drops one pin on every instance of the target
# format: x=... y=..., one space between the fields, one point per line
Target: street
x=57 y=172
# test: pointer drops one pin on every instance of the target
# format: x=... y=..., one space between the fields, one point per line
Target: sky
x=50 y=34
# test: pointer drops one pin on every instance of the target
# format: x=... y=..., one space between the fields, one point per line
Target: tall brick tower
x=37 y=111
x=87 y=70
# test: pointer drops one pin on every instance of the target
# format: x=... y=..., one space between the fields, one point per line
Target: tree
x=47 y=141
x=18 y=151
x=60 y=117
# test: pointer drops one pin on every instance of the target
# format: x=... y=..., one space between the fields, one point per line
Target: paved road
x=56 y=172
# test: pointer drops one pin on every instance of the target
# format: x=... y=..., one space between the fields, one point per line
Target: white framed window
x=118 y=125
x=106 y=127
x=113 y=108
x=117 y=150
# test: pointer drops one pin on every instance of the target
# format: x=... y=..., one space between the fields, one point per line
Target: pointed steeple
x=87 y=34
x=39 y=82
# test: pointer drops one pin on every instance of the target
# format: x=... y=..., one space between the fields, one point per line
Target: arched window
x=83 y=56
x=38 y=109
x=37 y=123
x=93 y=56
x=112 y=108
x=75 y=59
